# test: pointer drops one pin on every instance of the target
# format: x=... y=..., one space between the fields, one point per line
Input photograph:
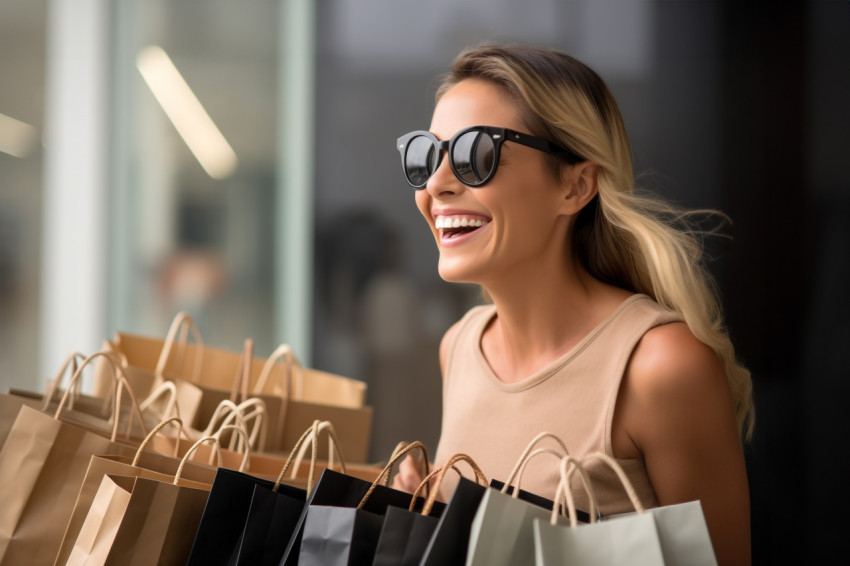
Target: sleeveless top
x=573 y=398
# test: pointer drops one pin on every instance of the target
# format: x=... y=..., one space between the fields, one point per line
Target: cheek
x=423 y=203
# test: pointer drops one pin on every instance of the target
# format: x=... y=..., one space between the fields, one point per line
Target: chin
x=456 y=272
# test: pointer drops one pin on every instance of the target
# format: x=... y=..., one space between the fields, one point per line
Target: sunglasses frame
x=497 y=135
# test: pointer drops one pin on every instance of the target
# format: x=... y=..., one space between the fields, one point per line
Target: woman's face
x=515 y=222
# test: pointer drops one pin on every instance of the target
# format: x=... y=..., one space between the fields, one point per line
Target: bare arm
x=675 y=409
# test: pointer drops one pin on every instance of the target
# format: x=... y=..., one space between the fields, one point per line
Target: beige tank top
x=573 y=398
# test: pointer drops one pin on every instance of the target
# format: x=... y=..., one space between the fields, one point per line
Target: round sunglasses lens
x=420 y=160
x=473 y=157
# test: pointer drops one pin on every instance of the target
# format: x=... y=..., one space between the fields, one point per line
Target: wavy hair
x=634 y=241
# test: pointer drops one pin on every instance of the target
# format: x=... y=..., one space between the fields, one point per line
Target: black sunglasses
x=473 y=153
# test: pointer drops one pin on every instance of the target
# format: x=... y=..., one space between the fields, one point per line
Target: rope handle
x=167 y=390
x=314 y=431
x=182 y=318
x=258 y=415
x=247 y=453
x=383 y=477
x=530 y=456
x=426 y=484
x=154 y=432
x=224 y=408
x=432 y=497
x=120 y=383
x=525 y=454
x=53 y=385
x=290 y=363
x=332 y=449
x=621 y=474
x=569 y=465
x=191 y=450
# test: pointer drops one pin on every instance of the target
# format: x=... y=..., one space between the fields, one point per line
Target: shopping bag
x=224 y=533
x=344 y=535
x=340 y=490
x=502 y=530
x=450 y=540
x=139 y=521
x=145 y=464
x=671 y=535
x=302 y=395
x=42 y=464
x=94 y=540
x=405 y=535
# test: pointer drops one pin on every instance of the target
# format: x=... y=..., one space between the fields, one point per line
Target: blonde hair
x=636 y=242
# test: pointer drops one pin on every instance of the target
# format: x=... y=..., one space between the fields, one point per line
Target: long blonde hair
x=634 y=241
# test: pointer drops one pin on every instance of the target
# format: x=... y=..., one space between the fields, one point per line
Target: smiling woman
x=603 y=327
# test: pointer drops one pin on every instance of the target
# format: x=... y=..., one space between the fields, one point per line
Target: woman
x=604 y=328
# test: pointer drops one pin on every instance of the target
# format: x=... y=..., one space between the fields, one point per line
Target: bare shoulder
x=670 y=364
x=675 y=411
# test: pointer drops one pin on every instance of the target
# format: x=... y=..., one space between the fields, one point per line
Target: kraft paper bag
x=98 y=531
x=42 y=465
x=145 y=464
x=135 y=520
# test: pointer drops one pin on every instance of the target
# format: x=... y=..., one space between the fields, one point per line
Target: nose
x=443 y=183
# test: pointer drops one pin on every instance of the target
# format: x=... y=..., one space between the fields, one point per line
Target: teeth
x=458 y=222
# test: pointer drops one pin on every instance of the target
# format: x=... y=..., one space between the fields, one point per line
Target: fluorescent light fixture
x=17 y=138
x=185 y=111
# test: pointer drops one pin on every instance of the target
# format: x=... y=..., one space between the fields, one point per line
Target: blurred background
x=237 y=160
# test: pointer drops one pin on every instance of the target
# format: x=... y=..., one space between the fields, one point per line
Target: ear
x=579 y=186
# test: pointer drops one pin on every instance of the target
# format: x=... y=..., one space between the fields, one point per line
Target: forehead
x=474 y=102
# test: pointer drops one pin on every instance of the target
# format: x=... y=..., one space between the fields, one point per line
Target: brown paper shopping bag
x=145 y=463
x=140 y=520
x=42 y=465
x=304 y=395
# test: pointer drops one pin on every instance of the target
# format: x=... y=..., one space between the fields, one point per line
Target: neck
x=541 y=314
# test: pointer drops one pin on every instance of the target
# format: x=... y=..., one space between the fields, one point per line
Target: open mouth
x=454 y=226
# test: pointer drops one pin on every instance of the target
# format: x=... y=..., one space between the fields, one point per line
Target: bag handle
x=182 y=318
x=168 y=390
x=290 y=362
x=53 y=385
x=314 y=431
x=398 y=453
x=120 y=381
x=241 y=431
x=621 y=474
x=525 y=453
x=156 y=430
x=332 y=449
x=567 y=466
x=527 y=457
x=441 y=473
x=191 y=451
x=257 y=414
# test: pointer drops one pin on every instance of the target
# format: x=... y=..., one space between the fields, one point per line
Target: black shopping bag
x=404 y=537
x=340 y=490
x=449 y=542
x=219 y=534
x=272 y=517
x=339 y=536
